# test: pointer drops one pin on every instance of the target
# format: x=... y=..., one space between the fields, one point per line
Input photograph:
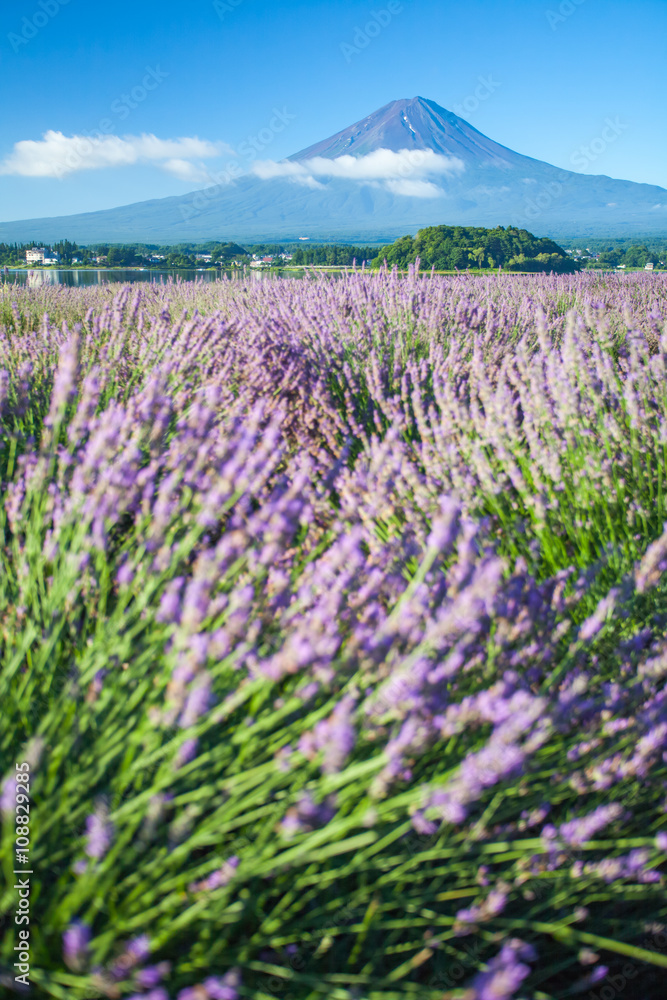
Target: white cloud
x=414 y=189
x=404 y=172
x=268 y=169
x=56 y=154
x=186 y=171
x=309 y=181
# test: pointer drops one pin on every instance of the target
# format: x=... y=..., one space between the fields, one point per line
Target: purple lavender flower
x=64 y=382
x=151 y=975
x=170 y=602
x=598 y=973
x=654 y=563
x=197 y=702
x=445 y=527
x=336 y=736
x=220 y=877
x=99 y=831
x=306 y=815
x=225 y=987
x=8 y=796
x=76 y=941
x=505 y=972
x=577 y=831
x=186 y=752
x=138 y=949
x=125 y=574
x=592 y=625
x=213 y=988
x=490 y=907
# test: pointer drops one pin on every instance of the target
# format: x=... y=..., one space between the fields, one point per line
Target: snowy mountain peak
x=412 y=123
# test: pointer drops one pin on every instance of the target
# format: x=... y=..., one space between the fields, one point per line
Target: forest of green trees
x=185 y=254
x=128 y=255
x=333 y=255
x=632 y=256
x=458 y=247
x=443 y=247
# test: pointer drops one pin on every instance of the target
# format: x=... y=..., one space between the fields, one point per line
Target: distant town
x=189 y=256
x=128 y=257
x=458 y=248
x=634 y=257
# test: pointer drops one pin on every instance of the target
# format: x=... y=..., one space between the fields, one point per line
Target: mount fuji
x=408 y=165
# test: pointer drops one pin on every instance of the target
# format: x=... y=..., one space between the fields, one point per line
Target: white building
x=648 y=267
x=206 y=257
x=40 y=255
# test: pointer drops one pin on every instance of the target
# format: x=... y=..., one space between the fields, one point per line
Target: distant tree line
x=127 y=255
x=443 y=247
x=12 y=254
x=634 y=256
x=460 y=247
x=333 y=254
x=655 y=245
x=184 y=255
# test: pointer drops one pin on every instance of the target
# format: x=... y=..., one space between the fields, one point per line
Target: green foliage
x=546 y=262
x=556 y=451
x=458 y=247
x=621 y=252
x=333 y=255
x=121 y=257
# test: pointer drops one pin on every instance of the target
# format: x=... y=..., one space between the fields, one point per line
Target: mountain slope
x=413 y=124
x=493 y=186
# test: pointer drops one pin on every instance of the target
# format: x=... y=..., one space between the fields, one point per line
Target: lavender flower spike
x=594 y=623
x=76 y=940
x=99 y=831
x=505 y=972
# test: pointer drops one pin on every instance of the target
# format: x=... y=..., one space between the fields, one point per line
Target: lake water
x=99 y=276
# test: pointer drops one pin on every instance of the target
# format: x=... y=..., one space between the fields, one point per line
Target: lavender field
x=334 y=634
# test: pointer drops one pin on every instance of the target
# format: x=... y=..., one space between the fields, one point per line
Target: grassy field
x=333 y=629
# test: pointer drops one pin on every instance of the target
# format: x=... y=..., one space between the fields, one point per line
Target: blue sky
x=211 y=79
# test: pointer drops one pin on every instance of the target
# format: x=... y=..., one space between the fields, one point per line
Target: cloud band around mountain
x=57 y=155
x=404 y=172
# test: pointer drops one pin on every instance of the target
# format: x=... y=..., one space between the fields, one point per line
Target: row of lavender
x=332 y=626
